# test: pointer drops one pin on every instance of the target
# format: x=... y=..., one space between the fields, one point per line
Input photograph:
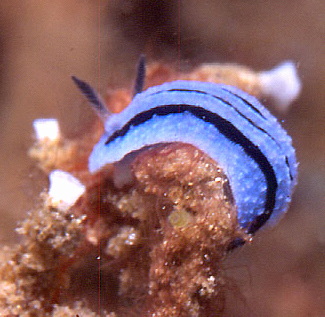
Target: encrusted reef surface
x=142 y=239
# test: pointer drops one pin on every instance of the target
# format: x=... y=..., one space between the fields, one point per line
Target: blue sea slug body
x=227 y=124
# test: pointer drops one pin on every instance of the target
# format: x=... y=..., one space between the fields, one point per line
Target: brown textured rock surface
x=160 y=241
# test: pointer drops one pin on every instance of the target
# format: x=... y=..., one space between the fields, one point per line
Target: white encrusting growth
x=47 y=129
x=282 y=84
x=64 y=189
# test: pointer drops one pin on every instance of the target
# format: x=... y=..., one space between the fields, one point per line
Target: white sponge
x=47 y=129
x=64 y=190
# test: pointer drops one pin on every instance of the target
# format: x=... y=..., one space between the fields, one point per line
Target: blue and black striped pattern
x=227 y=124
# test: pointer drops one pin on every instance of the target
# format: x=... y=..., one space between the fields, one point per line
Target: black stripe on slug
x=231 y=106
x=240 y=113
x=217 y=97
x=290 y=174
x=231 y=133
x=246 y=102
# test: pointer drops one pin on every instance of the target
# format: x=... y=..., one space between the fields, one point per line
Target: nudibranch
x=229 y=125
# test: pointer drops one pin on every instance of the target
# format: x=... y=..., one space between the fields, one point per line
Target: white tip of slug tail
x=282 y=84
x=47 y=129
x=64 y=189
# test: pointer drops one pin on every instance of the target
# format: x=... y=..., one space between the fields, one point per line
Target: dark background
x=42 y=43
